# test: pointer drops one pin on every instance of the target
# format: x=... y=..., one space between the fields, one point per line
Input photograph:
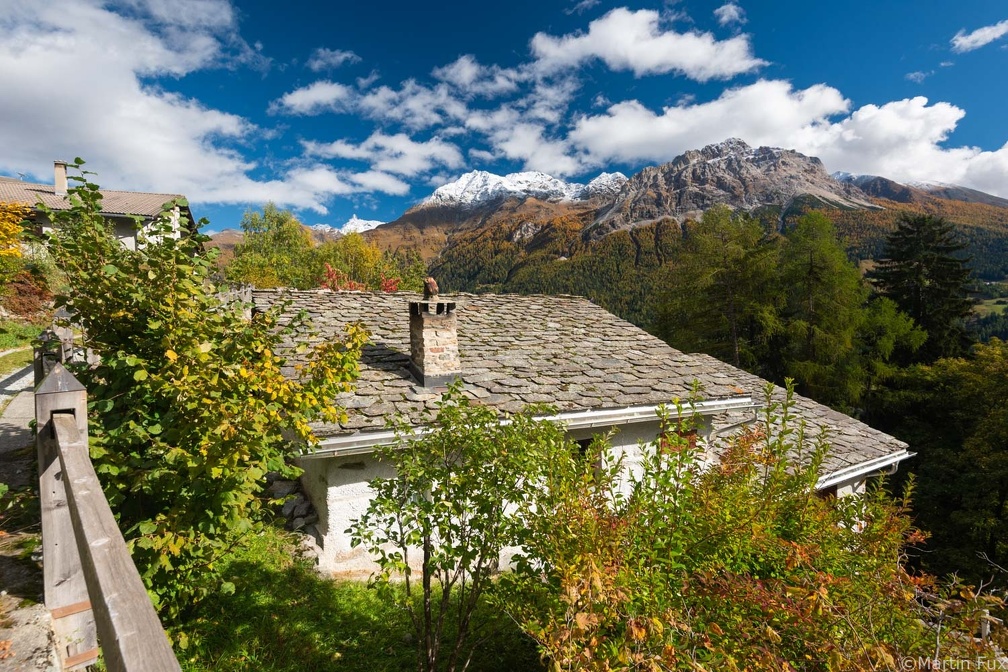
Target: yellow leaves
x=171 y=355
x=11 y=216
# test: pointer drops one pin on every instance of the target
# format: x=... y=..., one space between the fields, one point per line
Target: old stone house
x=600 y=372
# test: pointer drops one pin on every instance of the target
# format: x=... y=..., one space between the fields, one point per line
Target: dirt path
x=25 y=625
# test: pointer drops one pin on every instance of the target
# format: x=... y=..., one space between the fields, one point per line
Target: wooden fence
x=92 y=587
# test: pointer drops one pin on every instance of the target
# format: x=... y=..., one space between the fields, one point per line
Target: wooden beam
x=131 y=634
x=65 y=586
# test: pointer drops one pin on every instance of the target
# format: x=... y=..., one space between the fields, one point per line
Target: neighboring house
x=129 y=211
x=598 y=371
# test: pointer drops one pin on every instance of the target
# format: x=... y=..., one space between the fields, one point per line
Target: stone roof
x=560 y=350
x=113 y=202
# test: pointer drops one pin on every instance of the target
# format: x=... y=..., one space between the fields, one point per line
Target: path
x=25 y=626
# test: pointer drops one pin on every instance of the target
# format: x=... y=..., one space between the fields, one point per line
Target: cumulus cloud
x=917 y=76
x=413 y=105
x=963 y=41
x=903 y=139
x=636 y=41
x=766 y=112
x=135 y=135
x=730 y=13
x=316 y=98
x=397 y=154
x=330 y=59
x=468 y=76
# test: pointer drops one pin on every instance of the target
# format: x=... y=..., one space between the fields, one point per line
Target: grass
x=15 y=334
x=15 y=361
x=285 y=616
x=990 y=307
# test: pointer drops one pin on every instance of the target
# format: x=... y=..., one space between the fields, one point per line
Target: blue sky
x=332 y=109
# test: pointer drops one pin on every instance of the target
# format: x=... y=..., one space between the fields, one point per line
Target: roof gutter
x=887 y=463
x=365 y=442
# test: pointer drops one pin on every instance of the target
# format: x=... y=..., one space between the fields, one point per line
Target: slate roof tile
x=564 y=349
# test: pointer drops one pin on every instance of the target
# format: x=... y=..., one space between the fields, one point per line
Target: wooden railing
x=92 y=587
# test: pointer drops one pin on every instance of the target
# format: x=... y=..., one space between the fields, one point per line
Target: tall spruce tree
x=925 y=274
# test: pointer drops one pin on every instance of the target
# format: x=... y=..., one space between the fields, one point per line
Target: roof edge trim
x=366 y=442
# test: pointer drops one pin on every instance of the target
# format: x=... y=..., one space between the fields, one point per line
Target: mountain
x=479 y=187
x=352 y=225
x=731 y=173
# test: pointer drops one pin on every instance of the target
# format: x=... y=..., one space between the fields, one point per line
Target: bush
x=739 y=565
x=189 y=403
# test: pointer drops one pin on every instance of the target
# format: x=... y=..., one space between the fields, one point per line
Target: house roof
x=113 y=202
x=560 y=350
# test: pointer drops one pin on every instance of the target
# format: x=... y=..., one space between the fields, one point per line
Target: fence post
x=46 y=354
x=66 y=594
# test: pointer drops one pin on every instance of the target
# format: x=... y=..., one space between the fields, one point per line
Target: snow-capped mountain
x=479 y=187
x=357 y=225
x=352 y=225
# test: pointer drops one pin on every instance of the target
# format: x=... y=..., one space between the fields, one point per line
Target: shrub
x=739 y=565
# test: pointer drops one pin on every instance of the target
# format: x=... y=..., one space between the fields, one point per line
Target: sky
x=364 y=108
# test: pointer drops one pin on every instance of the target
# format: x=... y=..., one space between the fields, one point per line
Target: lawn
x=285 y=616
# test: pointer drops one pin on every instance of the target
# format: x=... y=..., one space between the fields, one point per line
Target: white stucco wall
x=338 y=487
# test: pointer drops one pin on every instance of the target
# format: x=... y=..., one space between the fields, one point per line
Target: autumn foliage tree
x=11 y=216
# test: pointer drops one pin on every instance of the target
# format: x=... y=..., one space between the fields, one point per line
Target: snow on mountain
x=352 y=225
x=479 y=186
x=606 y=184
x=357 y=225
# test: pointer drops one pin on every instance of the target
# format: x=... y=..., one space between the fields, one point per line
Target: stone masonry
x=434 y=351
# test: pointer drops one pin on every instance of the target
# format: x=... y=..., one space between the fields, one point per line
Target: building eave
x=363 y=443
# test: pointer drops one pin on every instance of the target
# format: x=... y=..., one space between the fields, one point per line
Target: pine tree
x=923 y=271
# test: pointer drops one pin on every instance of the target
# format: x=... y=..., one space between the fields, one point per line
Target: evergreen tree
x=719 y=293
x=923 y=271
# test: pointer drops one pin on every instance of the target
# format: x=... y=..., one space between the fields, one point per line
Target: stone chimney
x=60 y=183
x=434 y=352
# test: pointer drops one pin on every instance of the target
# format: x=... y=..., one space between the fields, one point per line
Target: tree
x=448 y=513
x=954 y=415
x=276 y=252
x=719 y=292
x=823 y=311
x=190 y=407
x=923 y=272
x=11 y=216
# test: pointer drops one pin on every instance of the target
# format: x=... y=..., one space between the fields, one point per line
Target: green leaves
x=188 y=400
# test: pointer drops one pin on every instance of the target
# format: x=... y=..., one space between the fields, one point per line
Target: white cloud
x=904 y=140
x=730 y=13
x=73 y=74
x=330 y=59
x=963 y=41
x=316 y=98
x=413 y=105
x=766 y=112
x=468 y=76
x=582 y=7
x=397 y=154
x=918 y=77
x=636 y=41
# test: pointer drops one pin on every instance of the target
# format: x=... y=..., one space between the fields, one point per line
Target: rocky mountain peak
x=731 y=173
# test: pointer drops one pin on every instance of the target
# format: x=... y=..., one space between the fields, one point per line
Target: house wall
x=338 y=488
x=125 y=230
